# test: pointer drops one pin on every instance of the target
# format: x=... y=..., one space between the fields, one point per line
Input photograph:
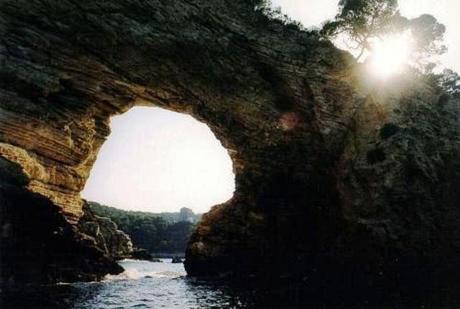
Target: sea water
x=143 y=284
x=146 y=284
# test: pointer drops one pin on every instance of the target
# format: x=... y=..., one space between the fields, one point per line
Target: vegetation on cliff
x=368 y=22
x=155 y=232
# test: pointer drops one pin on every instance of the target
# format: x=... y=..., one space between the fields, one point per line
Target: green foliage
x=449 y=81
x=160 y=233
x=428 y=34
x=275 y=14
x=362 y=20
x=366 y=20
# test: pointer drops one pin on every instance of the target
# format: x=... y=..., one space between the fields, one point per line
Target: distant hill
x=155 y=232
x=185 y=214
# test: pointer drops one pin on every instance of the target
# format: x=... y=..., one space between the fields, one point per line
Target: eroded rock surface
x=37 y=245
x=116 y=244
x=320 y=193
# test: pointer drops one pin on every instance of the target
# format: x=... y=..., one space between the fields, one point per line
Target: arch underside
x=282 y=102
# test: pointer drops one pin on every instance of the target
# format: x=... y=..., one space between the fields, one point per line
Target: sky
x=315 y=12
x=156 y=160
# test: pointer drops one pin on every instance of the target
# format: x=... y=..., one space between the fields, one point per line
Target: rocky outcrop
x=142 y=254
x=105 y=233
x=326 y=188
x=37 y=245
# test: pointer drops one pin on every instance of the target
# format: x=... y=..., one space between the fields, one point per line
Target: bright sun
x=390 y=54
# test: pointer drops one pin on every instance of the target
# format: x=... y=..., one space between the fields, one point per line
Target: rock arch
x=282 y=101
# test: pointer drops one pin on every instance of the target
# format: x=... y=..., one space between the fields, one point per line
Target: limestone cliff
x=321 y=187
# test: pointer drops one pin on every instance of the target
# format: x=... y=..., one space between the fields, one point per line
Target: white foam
x=134 y=274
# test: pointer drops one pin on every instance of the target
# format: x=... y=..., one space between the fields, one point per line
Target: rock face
x=115 y=243
x=37 y=245
x=325 y=186
x=142 y=254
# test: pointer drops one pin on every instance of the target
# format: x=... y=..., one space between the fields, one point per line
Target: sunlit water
x=148 y=285
x=142 y=285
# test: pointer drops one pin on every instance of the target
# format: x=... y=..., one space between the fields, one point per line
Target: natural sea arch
x=274 y=112
x=286 y=104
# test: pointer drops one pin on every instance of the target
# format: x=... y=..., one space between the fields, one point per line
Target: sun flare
x=390 y=54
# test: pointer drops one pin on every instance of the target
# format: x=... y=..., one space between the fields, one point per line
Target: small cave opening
x=154 y=176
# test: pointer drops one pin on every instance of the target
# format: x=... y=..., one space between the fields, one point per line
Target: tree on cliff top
x=365 y=21
x=428 y=36
x=362 y=20
x=271 y=13
x=450 y=82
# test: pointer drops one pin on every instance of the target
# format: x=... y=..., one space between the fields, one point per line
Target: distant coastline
x=163 y=235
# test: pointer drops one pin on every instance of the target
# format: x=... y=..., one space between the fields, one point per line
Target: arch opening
x=155 y=175
x=156 y=160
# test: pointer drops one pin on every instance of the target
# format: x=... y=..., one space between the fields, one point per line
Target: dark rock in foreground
x=37 y=245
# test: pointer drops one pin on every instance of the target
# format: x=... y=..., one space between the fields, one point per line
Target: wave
x=135 y=270
x=133 y=274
